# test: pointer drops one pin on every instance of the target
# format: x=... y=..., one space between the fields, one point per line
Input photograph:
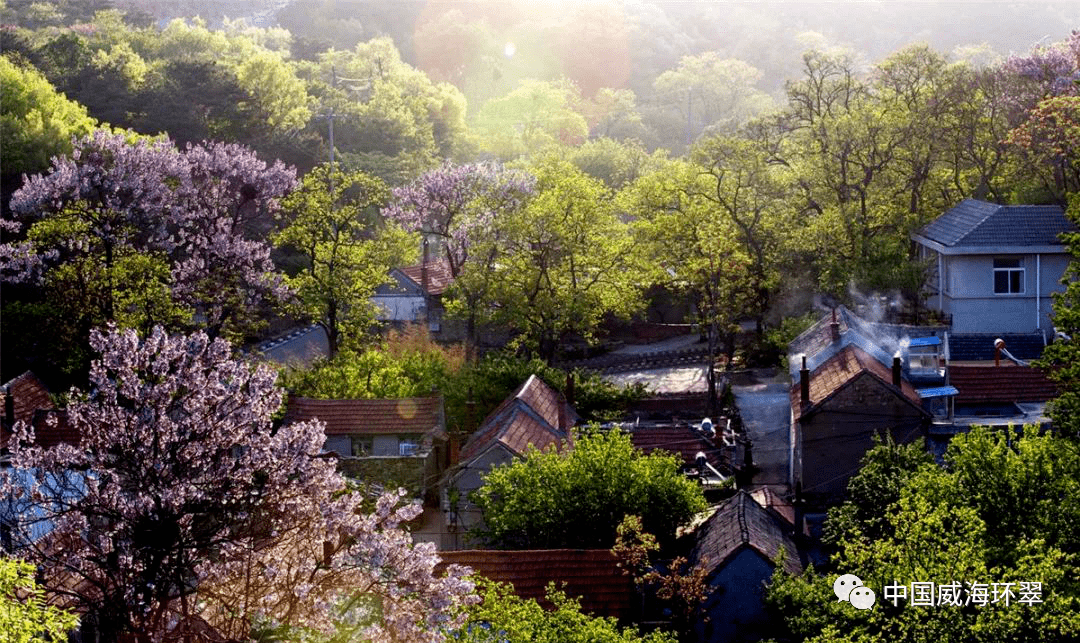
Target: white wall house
x=993 y=267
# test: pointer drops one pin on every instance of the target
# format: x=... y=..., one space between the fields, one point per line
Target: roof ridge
x=994 y=210
x=744 y=531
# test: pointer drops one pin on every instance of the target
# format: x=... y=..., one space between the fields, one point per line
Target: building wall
x=470 y=478
x=835 y=438
x=395 y=307
x=969 y=294
x=736 y=607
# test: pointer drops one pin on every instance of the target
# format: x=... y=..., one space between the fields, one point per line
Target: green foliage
x=36 y=121
x=405 y=364
x=1004 y=510
x=1061 y=359
x=346 y=253
x=502 y=616
x=885 y=470
x=531 y=119
x=24 y=614
x=576 y=498
x=566 y=261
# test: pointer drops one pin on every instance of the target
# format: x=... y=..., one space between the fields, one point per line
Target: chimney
x=804 y=382
x=453 y=449
x=896 y=370
x=568 y=392
x=424 y=268
x=834 y=327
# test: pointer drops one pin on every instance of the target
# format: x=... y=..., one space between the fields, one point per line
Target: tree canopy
x=182 y=499
x=1004 y=510
x=577 y=498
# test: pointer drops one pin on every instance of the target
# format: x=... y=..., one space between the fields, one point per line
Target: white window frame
x=1013 y=272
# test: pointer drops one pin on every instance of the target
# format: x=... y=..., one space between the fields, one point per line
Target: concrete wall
x=969 y=294
x=736 y=607
x=835 y=438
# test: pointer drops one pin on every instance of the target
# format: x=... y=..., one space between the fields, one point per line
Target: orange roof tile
x=838 y=370
x=438 y=275
x=591 y=575
x=1001 y=384
x=536 y=414
x=371 y=417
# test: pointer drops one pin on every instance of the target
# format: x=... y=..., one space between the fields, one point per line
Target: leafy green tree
x=346 y=253
x=708 y=92
x=1061 y=359
x=405 y=364
x=535 y=117
x=36 y=122
x=24 y=614
x=578 y=497
x=390 y=119
x=502 y=616
x=1004 y=509
x=692 y=248
x=565 y=260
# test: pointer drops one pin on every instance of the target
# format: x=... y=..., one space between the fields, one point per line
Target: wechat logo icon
x=850 y=588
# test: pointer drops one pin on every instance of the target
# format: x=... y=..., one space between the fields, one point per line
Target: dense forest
x=804 y=173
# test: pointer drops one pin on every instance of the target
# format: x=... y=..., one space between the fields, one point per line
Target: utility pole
x=333 y=85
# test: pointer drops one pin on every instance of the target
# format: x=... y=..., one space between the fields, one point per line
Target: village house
x=414 y=296
x=386 y=442
x=852 y=380
x=738 y=546
x=536 y=415
x=993 y=267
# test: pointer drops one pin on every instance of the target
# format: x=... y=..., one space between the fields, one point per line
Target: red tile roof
x=977 y=384
x=28 y=394
x=31 y=403
x=438 y=275
x=591 y=575
x=369 y=417
x=536 y=415
x=742 y=522
x=682 y=440
x=842 y=368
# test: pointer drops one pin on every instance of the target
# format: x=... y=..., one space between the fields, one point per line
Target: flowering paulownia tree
x=458 y=205
x=182 y=500
x=137 y=229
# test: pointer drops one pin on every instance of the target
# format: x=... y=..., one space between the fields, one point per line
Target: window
x=1008 y=276
x=361 y=446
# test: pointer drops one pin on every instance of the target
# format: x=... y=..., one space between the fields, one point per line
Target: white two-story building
x=994 y=267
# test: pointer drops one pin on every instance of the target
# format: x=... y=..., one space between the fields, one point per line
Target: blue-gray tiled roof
x=978 y=223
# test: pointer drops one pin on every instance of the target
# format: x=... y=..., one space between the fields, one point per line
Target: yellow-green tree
x=24 y=614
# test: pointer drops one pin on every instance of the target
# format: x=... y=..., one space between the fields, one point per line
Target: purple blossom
x=202 y=208
x=459 y=204
x=182 y=487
